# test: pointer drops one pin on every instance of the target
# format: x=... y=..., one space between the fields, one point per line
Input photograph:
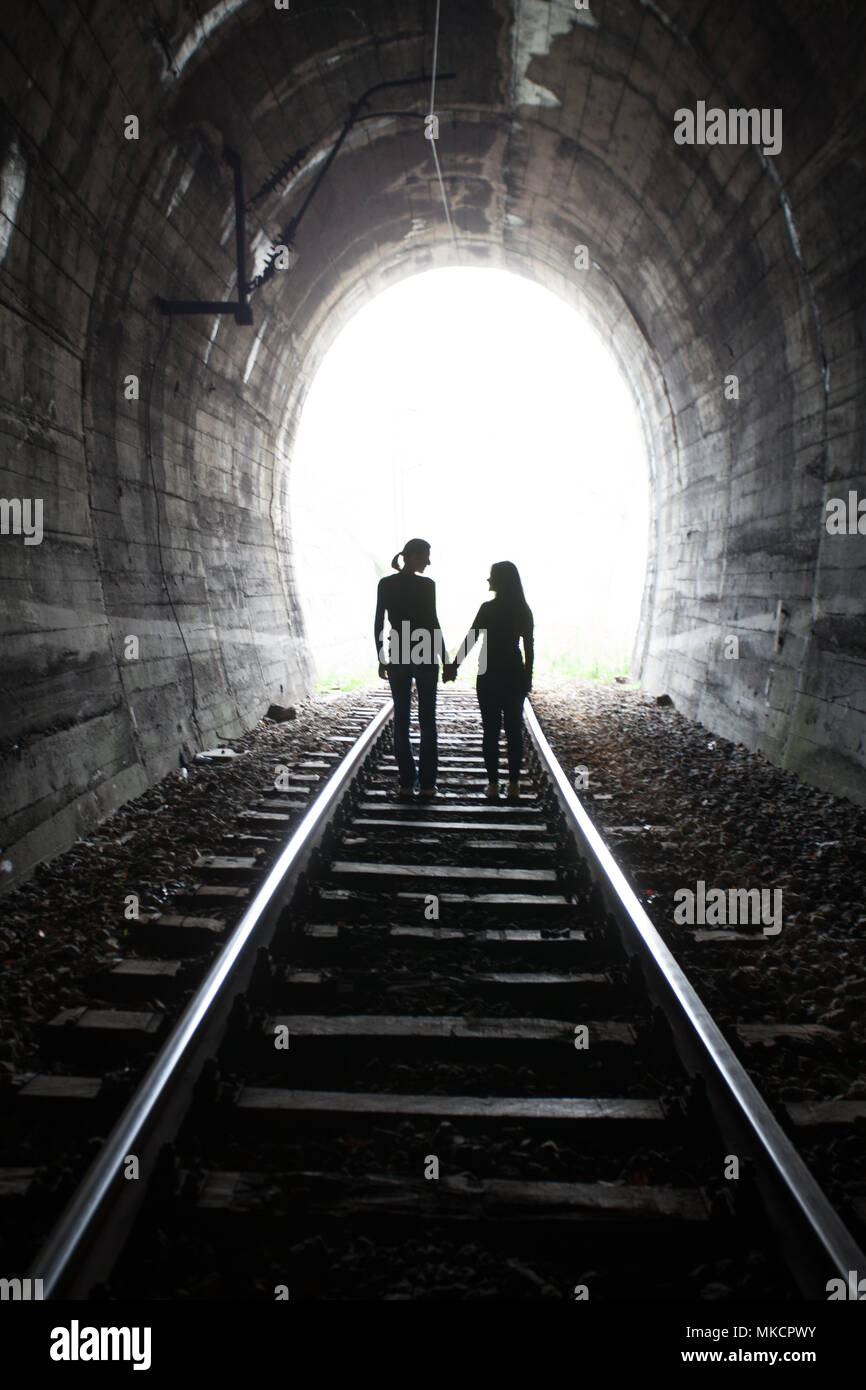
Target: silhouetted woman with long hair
x=412 y=653
x=504 y=677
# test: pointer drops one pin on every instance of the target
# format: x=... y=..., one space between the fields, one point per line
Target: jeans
x=501 y=697
x=400 y=680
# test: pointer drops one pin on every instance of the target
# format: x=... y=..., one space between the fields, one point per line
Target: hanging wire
x=432 y=141
x=435 y=59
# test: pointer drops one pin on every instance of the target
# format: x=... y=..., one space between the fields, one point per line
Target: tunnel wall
x=159 y=512
x=166 y=518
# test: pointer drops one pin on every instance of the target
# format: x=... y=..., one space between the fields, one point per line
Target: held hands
x=449 y=671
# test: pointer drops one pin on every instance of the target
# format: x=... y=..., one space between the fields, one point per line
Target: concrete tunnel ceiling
x=166 y=517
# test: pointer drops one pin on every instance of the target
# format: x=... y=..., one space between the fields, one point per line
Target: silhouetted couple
x=415 y=648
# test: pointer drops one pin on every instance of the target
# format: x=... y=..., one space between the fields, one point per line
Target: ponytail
x=410 y=548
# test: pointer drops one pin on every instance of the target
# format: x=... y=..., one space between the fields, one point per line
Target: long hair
x=505 y=581
x=410 y=548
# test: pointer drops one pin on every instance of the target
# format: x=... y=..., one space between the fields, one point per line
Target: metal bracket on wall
x=240 y=307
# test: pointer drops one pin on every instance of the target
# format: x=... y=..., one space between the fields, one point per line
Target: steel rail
x=82 y=1246
x=812 y=1236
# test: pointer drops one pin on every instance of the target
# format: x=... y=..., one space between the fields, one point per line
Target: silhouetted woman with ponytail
x=504 y=677
x=413 y=650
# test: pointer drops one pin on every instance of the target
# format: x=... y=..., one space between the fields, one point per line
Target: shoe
x=405 y=794
x=513 y=793
x=492 y=791
x=427 y=793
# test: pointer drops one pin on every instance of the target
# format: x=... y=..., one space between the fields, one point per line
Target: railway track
x=441 y=1053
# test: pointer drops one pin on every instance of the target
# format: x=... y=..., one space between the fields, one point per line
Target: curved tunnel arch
x=549 y=473
x=556 y=131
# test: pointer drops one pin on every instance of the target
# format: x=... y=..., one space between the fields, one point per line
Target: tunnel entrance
x=477 y=409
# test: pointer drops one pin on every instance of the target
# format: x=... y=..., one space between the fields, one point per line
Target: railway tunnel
x=156 y=608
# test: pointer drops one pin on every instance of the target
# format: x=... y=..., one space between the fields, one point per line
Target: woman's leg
x=512 y=702
x=426 y=678
x=489 y=703
x=400 y=681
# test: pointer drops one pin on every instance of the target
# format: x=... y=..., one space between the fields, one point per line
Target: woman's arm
x=438 y=635
x=528 y=647
x=379 y=629
x=469 y=640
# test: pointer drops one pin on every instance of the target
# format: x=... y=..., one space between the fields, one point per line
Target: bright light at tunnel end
x=476 y=409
